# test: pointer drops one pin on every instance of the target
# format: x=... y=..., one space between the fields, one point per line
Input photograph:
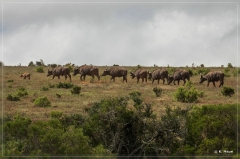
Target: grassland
x=94 y=91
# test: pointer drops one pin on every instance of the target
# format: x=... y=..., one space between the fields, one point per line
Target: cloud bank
x=175 y=34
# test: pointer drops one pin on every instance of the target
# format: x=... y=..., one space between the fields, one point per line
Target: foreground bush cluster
x=113 y=127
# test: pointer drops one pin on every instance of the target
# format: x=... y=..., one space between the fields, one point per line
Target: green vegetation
x=44 y=88
x=11 y=97
x=187 y=93
x=64 y=85
x=76 y=90
x=227 y=91
x=39 y=69
x=158 y=91
x=42 y=102
x=110 y=127
x=116 y=118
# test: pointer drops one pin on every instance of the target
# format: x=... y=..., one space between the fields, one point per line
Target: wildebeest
x=25 y=75
x=179 y=75
x=213 y=77
x=158 y=74
x=139 y=73
x=116 y=72
x=60 y=71
x=86 y=70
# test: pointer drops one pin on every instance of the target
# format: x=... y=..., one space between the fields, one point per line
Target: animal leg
x=70 y=77
x=208 y=84
x=58 y=77
x=113 y=79
x=221 y=84
x=163 y=81
x=178 y=82
x=184 y=81
x=214 y=84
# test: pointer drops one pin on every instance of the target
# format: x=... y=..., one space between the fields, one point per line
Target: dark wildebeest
x=158 y=74
x=139 y=73
x=179 y=75
x=116 y=72
x=213 y=77
x=60 y=71
x=86 y=70
x=25 y=75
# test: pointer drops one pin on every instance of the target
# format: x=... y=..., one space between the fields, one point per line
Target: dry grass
x=94 y=91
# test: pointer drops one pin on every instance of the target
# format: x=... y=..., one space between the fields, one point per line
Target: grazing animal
x=213 y=77
x=25 y=75
x=139 y=73
x=179 y=75
x=60 y=71
x=158 y=74
x=86 y=70
x=116 y=72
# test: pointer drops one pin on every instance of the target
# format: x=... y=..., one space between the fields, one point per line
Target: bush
x=42 y=102
x=158 y=91
x=10 y=80
x=51 y=85
x=188 y=93
x=64 y=85
x=39 y=69
x=21 y=92
x=227 y=91
x=135 y=96
x=13 y=97
x=226 y=72
x=203 y=71
x=56 y=114
x=44 y=88
x=76 y=90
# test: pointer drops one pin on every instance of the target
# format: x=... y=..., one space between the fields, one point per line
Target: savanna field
x=104 y=95
x=94 y=91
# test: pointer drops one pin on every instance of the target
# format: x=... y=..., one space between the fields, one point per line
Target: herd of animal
x=158 y=74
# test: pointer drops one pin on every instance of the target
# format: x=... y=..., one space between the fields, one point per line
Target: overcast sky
x=128 y=34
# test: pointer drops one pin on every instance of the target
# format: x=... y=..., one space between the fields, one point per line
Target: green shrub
x=13 y=97
x=56 y=114
x=158 y=91
x=171 y=70
x=227 y=91
x=203 y=71
x=21 y=92
x=10 y=80
x=42 y=102
x=136 y=97
x=39 y=69
x=188 y=93
x=226 y=72
x=51 y=85
x=76 y=90
x=64 y=85
x=44 y=88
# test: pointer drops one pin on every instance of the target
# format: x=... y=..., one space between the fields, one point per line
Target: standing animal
x=25 y=75
x=213 y=77
x=86 y=70
x=139 y=73
x=116 y=72
x=158 y=74
x=60 y=71
x=179 y=75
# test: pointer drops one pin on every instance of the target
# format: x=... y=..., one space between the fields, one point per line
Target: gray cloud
x=177 y=34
